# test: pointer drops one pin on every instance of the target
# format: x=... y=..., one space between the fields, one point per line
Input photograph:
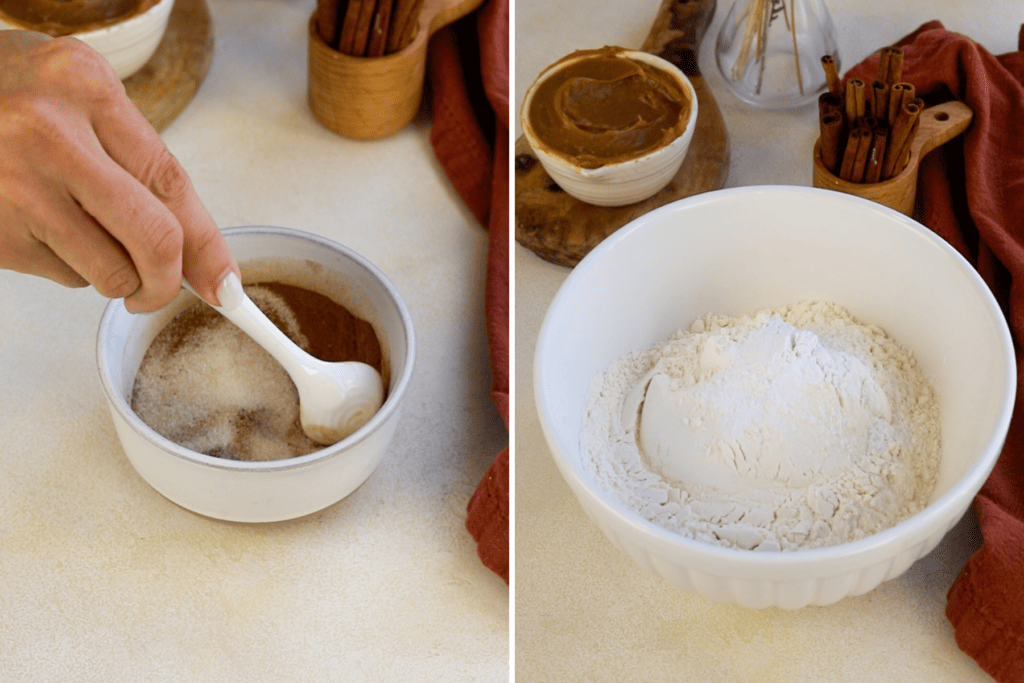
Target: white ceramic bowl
x=129 y=44
x=625 y=182
x=265 y=491
x=740 y=250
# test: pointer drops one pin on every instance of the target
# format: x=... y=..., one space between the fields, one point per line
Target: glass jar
x=769 y=51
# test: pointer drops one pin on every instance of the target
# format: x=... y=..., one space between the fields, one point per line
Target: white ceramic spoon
x=335 y=399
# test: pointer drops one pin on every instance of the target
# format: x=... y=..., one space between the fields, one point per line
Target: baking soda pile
x=785 y=429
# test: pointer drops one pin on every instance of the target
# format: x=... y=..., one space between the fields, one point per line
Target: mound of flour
x=784 y=429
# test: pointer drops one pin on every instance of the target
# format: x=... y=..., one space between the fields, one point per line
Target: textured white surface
x=571 y=583
x=103 y=579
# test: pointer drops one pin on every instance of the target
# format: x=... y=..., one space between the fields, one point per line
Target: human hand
x=89 y=193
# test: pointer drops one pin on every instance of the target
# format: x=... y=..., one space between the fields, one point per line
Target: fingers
x=205 y=259
x=78 y=240
x=123 y=213
x=136 y=223
x=35 y=258
x=62 y=190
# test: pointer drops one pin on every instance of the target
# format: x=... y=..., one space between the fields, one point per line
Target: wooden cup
x=366 y=98
x=939 y=125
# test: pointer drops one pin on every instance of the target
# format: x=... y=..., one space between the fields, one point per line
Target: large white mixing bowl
x=739 y=250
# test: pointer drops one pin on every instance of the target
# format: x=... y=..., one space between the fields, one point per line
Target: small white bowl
x=625 y=182
x=741 y=250
x=275 y=490
x=128 y=44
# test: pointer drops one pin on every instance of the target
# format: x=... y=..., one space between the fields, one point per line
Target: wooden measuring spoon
x=562 y=229
x=939 y=125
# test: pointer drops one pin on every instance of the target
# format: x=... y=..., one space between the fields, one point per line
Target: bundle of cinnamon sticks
x=867 y=131
x=368 y=28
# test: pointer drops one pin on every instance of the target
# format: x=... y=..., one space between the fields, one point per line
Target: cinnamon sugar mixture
x=206 y=385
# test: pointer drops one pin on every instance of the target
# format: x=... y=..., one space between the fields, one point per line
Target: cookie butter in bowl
x=611 y=126
x=125 y=32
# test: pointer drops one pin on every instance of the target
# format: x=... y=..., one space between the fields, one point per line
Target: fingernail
x=230 y=293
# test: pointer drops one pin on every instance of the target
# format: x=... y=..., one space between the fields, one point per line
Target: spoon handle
x=237 y=307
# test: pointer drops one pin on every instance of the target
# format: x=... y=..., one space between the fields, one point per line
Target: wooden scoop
x=562 y=229
x=939 y=125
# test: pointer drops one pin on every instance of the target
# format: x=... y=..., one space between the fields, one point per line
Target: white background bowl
x=129 y=44
x=625 y=182
x=266 y=491
x=740 y=250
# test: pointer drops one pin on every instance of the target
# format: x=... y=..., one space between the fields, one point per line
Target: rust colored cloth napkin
x=468 y=70
x=972 y=194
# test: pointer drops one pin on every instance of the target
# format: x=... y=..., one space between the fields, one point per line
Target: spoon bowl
x=335 y=399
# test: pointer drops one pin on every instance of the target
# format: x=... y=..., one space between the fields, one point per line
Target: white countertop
x=102 y=579
x=585 y=611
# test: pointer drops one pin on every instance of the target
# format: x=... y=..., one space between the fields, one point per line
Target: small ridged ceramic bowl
x=270 y=490
x=625 y=182
x=128 y=44
x=741 y=250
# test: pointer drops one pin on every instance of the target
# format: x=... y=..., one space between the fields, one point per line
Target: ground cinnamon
x=334 y=334
x=208 y=387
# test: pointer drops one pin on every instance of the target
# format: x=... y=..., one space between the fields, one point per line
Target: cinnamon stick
x=831 y=125
x=379 y=29
x=829 y=102
x=895 y=74
x=876 y=155
x=348 y=25
x=853 y=143
x=900 y=131
x=880 y=100
x=896 y=91
x=400 y=18
x=883 y=65
x=327 y=21
x=831 y=74
x=904 y=156
x=362 y=32
x=854 y=101
x=861 y=159
x=412 y=25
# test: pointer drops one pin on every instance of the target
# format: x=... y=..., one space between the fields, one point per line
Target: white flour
x=790 y=428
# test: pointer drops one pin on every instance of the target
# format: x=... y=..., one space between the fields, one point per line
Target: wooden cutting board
x=562 y=229
x=169 y=80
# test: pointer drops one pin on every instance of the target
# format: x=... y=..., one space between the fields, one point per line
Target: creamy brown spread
x=603 y=108
x=64 y=17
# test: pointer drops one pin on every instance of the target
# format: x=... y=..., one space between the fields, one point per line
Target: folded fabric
x=468 y=70
x=972 y=194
